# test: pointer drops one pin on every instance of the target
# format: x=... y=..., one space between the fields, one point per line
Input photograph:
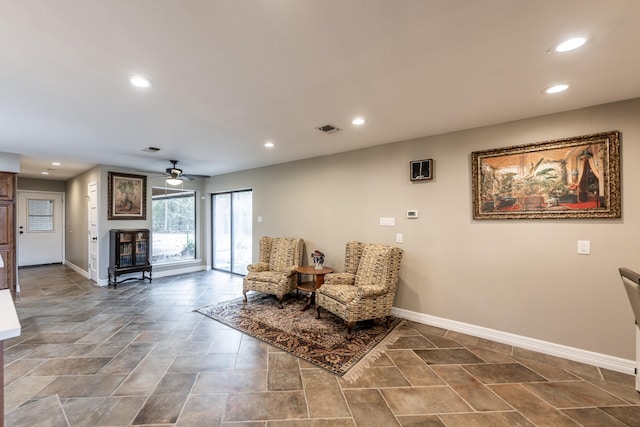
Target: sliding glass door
x=232 y=230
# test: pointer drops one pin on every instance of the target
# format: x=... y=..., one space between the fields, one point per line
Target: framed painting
x=421 y=170
x=575 y=177
x=127 y=196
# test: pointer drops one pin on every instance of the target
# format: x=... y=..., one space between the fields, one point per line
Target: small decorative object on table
x=318 y=259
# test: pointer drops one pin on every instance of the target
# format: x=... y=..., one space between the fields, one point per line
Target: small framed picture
x=421 y=170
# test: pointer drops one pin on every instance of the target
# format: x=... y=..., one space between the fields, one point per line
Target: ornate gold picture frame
x=575 y=177
x=127 y=196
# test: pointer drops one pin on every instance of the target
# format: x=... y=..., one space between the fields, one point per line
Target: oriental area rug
x=322 y=342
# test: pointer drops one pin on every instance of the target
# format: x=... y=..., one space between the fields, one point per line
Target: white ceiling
x=230 y=75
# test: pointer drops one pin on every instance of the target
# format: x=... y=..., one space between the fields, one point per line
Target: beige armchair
x=367 y=287
x=275 y=271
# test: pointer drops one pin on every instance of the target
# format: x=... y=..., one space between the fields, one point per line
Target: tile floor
x=138 y=355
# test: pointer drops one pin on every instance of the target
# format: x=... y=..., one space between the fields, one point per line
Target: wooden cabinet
x=129 y=253
x=8 y=230
x=8 y=186
x=7 y=273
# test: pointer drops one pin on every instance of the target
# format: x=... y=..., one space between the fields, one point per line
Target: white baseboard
x=578 y=355
x=77 y=269
x=175 y=271
x=162 y=273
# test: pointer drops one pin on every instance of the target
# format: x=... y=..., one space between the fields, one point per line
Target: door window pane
x=40 y=215
x=222 y=231
x=242 y=231
x=232 y=231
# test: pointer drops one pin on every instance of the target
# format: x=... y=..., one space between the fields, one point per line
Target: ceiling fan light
x=174 y=181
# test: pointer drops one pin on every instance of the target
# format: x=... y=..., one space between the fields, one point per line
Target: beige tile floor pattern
x=138 y=355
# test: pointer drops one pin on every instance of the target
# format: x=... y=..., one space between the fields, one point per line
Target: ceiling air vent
x=151 y=149
x=328 y=129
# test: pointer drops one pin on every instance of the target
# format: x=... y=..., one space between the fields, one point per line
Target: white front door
x=93 y=231
x=40 y=228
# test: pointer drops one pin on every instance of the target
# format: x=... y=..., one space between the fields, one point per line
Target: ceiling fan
x=175 y=175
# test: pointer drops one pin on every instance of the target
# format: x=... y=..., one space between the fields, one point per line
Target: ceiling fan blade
x=191 y=176
x=174 y=172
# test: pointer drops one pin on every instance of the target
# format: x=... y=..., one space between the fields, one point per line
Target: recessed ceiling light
x=139 y=81
x=268 y=144
x=570 y=44
x=556 y=88
x=44 y=173
x=55 y=163
x=358 y=121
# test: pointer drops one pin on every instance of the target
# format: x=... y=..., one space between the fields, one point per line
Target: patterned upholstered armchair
x=367 y=287
x=275 y=272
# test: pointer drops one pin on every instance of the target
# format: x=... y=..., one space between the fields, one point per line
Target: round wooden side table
x=311 y=286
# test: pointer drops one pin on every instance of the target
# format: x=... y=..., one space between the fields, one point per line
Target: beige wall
x=76 y=212
x=31 y=184
x=518 y=276
x=105 y=225
x=77 y=218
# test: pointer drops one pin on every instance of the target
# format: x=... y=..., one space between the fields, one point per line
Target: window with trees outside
x=173 y=213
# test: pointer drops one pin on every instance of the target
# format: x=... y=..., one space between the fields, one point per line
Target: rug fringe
x=356 y=371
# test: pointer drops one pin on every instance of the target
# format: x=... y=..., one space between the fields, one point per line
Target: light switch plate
x=584 y=247
x=387 y=222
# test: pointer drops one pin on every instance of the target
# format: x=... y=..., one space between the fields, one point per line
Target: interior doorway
x=40 y=228
x=232 y=230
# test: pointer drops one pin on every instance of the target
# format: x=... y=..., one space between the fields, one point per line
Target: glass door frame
x=232 y=238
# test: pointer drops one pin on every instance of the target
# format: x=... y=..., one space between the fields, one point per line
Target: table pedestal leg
x=319 y=279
